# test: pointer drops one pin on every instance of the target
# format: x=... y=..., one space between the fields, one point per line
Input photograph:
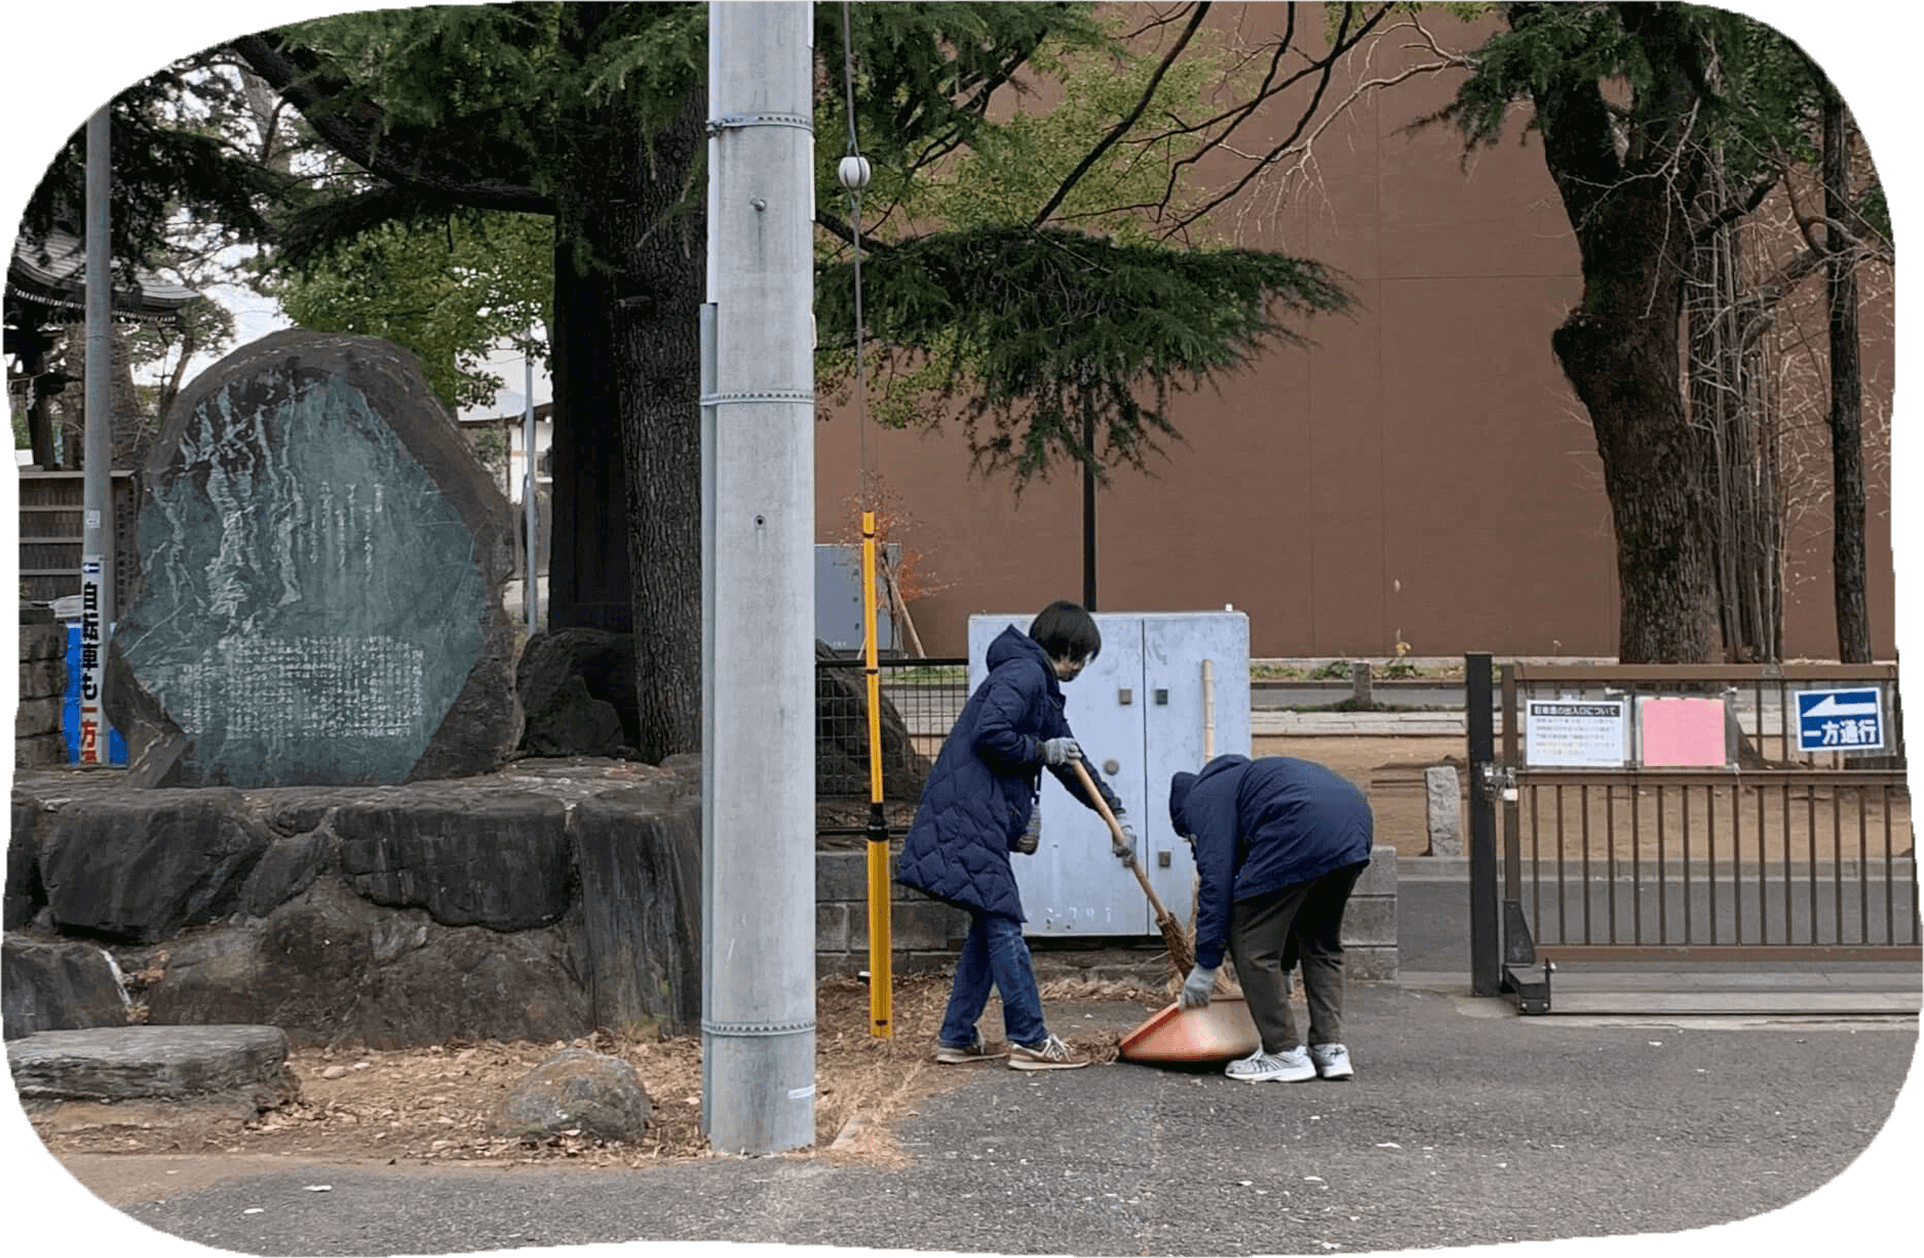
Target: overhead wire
x=855 y=198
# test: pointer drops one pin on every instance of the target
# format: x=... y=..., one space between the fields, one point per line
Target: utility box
x=838 y=597
x=1140 y=712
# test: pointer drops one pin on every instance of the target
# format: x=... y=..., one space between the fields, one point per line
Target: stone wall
x=538 y=904
x=926 y=934
x=37 y=738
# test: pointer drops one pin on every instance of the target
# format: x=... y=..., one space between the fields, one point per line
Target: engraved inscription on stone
x=327 y=687
x=313 y=600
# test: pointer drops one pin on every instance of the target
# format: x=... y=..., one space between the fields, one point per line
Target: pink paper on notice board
x=1682 y=733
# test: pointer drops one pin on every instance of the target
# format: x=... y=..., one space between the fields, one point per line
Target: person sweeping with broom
x=980 y=805
x=1279 y=844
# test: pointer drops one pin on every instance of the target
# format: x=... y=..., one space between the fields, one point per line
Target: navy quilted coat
x=1260 y=825
x=983 y=786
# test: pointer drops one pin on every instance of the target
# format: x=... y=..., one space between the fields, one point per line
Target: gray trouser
x=1269 y=933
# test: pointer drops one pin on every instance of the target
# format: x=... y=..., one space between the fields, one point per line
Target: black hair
x=1066 y=631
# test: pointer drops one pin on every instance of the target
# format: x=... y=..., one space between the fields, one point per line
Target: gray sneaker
x=1332 y=1061
x=961 y=1054
x=1050 y=1054
x=1293 y=1066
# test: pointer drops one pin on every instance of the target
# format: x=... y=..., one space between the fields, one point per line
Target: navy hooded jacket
x=1260 y=825
x=982 y=789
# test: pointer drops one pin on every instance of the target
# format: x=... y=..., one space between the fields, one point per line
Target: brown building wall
x=1421 y=472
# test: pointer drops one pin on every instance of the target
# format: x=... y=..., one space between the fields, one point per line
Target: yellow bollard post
x=880 y=987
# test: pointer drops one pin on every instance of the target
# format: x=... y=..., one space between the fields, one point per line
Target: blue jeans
x=994 y=955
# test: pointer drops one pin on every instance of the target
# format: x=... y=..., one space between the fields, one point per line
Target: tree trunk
x=598 y=223
x=588 y=558
x=1620 y=351
x=658 y=364
x=1846 y=407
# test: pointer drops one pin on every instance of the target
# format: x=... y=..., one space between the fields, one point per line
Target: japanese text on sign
x=1575 y=733
x=1840 y=720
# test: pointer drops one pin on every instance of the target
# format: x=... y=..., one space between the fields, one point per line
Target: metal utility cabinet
x=1140 y=712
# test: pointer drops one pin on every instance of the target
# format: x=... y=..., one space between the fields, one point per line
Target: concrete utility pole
x=758 y=592
x=97 y=449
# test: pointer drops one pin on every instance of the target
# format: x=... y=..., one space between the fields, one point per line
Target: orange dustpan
x=1219 y=1031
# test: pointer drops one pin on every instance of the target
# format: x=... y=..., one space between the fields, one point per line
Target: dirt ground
x=432 y=1106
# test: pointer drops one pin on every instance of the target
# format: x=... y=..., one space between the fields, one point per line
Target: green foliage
x=448 y=291
x=1035 y=325
x=1029 y=326
x=170 y=152
x=1710 y=76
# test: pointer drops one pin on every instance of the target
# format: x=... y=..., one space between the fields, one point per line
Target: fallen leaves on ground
x=436 y=1104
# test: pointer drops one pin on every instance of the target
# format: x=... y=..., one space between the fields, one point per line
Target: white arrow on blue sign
x=1840 y=720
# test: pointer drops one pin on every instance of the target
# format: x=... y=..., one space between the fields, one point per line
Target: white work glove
x=1060 y=751
x=1197 y=987
x=1125 y=847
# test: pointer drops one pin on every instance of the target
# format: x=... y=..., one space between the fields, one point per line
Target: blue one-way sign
x=1840 y=720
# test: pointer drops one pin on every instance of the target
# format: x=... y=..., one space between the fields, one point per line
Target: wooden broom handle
x=1115 y=830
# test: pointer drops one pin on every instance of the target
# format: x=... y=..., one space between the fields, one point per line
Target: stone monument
x=322 y=556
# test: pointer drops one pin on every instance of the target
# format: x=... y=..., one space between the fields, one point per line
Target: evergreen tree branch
x=424 y=162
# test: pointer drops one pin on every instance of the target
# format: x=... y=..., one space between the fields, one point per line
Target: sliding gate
x=1684 y=812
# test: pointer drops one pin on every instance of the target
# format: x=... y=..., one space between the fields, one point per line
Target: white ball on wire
x=853 y=172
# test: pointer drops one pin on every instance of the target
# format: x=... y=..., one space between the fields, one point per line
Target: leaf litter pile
x=435 y=1105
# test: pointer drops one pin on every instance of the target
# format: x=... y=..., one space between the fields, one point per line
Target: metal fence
x=1780 y=853
x=920 y=700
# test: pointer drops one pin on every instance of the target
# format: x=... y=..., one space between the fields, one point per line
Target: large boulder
x=137 y=867
x=59 y=984
x=323 y=557
x=841 y=738
x=330 y=967
x=25 y=895
x=541 y=904
x=501 y=861
x=577 y=688
x=640 y=853
x=132 y=1063
x=579 y=1092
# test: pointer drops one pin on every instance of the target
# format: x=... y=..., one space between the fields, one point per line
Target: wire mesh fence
x=920 y=700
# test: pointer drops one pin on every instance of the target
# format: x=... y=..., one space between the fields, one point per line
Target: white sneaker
x=1332 y=1061
x=1293 y=1066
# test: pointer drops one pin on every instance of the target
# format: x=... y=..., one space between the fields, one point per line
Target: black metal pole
x=1486 y=966
x=1089 y=506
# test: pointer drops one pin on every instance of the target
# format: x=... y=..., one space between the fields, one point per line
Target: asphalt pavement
x=1466 y=1125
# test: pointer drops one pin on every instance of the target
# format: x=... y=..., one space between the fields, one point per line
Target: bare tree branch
x=1127 y=121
